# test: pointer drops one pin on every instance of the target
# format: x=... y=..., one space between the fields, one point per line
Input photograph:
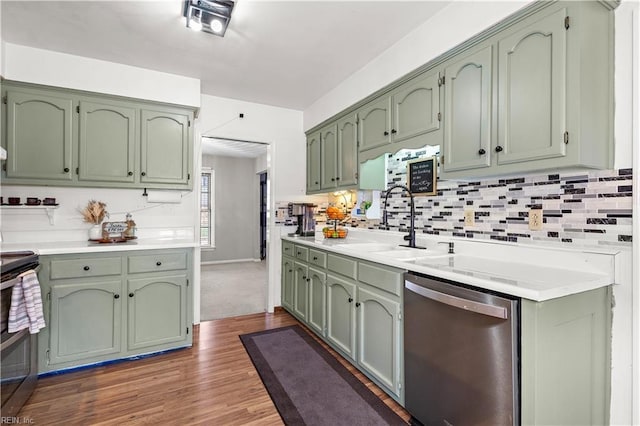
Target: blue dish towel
x=26 y=304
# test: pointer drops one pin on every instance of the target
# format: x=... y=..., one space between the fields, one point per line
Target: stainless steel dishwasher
x=461 y=354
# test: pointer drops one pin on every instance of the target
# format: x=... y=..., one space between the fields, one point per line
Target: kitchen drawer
x=342 y=265
x=86 y=267
x=382 y=277
x=287 y=248
x=318 y=258
x=157 y=262
x=302 y=253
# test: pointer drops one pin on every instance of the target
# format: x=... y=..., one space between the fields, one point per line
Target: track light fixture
x=210 y=16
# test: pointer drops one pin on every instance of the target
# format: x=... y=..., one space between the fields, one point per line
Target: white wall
x=286 y=158
x=76 y=72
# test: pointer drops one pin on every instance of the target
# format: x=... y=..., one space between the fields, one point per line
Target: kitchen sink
x=411 y=255
x=367 y=247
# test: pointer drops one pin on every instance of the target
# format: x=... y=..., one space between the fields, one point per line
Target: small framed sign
x=113 y=230
x=421 y=176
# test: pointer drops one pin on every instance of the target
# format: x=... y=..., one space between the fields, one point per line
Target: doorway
x=234 y=271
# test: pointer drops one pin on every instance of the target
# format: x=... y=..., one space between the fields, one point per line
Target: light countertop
x=72 y=247
x=532 y=272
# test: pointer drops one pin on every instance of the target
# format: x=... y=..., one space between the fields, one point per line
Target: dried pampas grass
x=95 y=212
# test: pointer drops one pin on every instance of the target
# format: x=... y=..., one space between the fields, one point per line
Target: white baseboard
x=218 y=262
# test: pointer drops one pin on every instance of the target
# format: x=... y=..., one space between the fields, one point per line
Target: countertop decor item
x=95 y=212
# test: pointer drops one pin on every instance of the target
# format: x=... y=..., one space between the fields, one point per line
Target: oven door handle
x=13 y=339
x=12 y=282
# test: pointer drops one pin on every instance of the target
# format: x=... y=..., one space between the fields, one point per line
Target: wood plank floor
x=212 y=383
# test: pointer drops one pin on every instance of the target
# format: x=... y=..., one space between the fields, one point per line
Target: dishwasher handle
x=458 y=302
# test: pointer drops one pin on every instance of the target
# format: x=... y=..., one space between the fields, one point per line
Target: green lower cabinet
x=300 y=290
x=99 y=304
x=317 y=300
x=157 y=312
x=98 y=309
x=379 y=325
x=287 y=282
x=566 y=346
x=341 y=315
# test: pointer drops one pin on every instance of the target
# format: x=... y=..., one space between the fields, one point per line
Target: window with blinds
x=206 y=214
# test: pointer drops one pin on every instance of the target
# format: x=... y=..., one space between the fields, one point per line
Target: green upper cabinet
x=407 y=117
x=416 y=108
x=107 y=142
x=38 y=135
x=347 y=161
x=329 y=157
x=532 y=90
x=70 y=138
x=313 y=162
x=165 y=147
x=467 y=121
x=550 y=83
x=374 y=124
x=332 y=156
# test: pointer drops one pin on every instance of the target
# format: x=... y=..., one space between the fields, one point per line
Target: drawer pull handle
x=130 y=294
x=86 y=268
x=158 y=263
x=315 y=257
x=116 y=296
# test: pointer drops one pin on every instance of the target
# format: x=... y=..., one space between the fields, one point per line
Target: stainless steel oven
x=19 y=351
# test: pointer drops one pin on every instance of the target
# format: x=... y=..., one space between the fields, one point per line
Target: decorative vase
x=95 y=232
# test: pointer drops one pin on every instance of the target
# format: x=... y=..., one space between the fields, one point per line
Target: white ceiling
x=232 y=148
x=282 y=53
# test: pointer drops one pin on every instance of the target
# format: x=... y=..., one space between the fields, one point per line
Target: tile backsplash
x=585 y=207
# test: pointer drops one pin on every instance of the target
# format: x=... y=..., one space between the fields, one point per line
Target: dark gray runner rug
x=308 y=385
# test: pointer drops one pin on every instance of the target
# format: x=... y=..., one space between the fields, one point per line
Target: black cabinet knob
x=308 y=279
x=315 y=257
x=143 y=173
x=498 y=148
x=86 y=268
x=357 y=304
x=338 y=178
x=393 y=131
x=66 y=170
x=317 y=182
x=350 y=299
x=130 y=294
x=158 y=263
x=333 y=179
x=130 y=174
x=290 y=270
x=482 y=151
x=386 y=133
x=116 y=296
x=304 y=277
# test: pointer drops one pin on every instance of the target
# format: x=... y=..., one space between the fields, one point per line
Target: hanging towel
x=26 y=304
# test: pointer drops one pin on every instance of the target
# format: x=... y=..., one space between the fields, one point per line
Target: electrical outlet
x=535 y=219
x=469 y=218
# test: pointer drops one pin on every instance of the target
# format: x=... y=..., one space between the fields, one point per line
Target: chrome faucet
x=412 y=229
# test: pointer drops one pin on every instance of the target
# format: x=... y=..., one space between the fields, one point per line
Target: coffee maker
x=305 y=214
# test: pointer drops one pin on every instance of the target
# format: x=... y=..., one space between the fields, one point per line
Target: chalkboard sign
x=421 y=176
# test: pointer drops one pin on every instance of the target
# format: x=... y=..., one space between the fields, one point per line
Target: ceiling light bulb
x=216 y=25
x=195 y=25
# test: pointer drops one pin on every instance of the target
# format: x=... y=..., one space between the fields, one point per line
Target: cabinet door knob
x=338 y=178
x=482 y=151
x=317 y=182
x=130 y=294
x=116 y=296
x=158 y=263
x=308 y=279
x=290 y=270
x=333 y=179
x=143 y=173
x=393 y=131
x=386 y=133
x=130 y=174
x=304 y=277
x=66 y=170
x=357 y=304
x=315 y=257
x=350 y=299
x=498 y=148
x=86 y=268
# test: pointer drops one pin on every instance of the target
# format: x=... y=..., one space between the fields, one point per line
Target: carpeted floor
x=233 y=289
x=308 y=385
